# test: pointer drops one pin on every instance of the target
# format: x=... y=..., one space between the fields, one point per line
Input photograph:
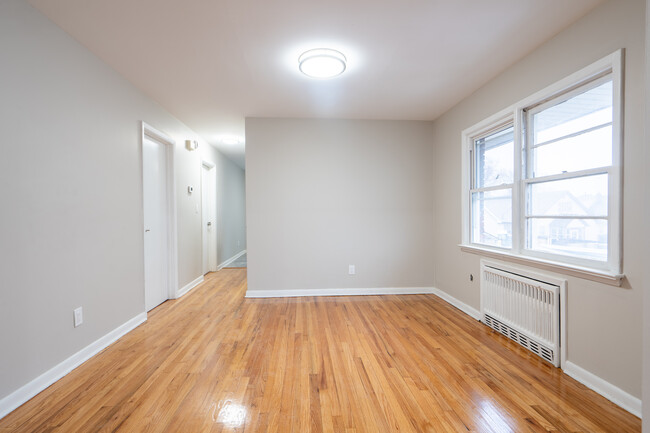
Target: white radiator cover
x=525 y=307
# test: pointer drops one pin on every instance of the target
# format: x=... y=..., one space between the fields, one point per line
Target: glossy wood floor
x=216 y=362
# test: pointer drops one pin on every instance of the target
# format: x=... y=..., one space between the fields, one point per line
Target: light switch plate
x=78 y=316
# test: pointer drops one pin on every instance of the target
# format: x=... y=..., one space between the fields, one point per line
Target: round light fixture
x=322 y=63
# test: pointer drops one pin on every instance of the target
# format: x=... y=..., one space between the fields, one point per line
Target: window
x=491 y=194
x=542 y=179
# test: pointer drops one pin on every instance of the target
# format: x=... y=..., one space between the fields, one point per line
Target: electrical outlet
x=471 y=277
x=78 y=316
x=352 y=270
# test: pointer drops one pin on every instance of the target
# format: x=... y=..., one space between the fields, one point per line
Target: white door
x=154 y=169
x=208 y=200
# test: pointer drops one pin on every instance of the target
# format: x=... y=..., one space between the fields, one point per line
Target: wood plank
x=215 y=361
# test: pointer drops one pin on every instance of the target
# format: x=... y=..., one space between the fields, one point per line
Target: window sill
x=597 y=275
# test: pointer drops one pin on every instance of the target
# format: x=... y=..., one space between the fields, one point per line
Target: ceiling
x=211 y=63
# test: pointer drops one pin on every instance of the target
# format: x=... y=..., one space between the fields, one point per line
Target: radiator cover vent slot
x=513 y=334
x=524 y=307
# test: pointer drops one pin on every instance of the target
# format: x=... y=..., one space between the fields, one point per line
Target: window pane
x=492 y=218
x=584 y=111
x=494 y=158
x=581 y=196
x=584 y=238
x=590 y=150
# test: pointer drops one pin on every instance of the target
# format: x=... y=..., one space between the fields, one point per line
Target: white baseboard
x=339 y=292
x=186 y=288
x=26 y=392
x=470 y=311
x=590 y=380
x=604 y=388
x=230 y=260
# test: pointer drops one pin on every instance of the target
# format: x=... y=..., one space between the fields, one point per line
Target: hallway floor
x=241 y=262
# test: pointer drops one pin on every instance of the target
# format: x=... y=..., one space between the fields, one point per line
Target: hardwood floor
x=216 y=362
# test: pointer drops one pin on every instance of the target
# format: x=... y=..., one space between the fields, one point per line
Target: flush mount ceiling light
x=322 y=63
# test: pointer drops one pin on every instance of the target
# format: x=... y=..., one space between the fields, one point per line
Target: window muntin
x=591 y=108
x=492 y=183
x=567 y=149
x=584 y=196
x=579 y=238
x=493 y=158
x=492 y=218
x=588 y=150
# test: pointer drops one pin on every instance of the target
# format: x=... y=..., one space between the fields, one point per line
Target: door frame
x=212 y=238
x=152 y=133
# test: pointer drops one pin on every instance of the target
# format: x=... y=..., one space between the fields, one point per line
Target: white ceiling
x=212 y=63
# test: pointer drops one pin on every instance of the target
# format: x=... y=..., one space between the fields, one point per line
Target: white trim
x=340 y=292
x=368 y=292
x=613 y=279
x=172 y=239
x=611 y=392
x=230 y=260
x=465 y=308
x=188 y=287
x=28 y=391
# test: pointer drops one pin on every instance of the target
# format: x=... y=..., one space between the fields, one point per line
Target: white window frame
x=496 y=127
x=608 y=272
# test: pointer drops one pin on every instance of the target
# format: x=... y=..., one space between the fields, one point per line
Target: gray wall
x=323 y=194
x=231 y=205
x=71 y=225
x=604 y=322
x=646 y=281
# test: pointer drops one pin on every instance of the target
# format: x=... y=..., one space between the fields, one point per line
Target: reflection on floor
x=241 y=262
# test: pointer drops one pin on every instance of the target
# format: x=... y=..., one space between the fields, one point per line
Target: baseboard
x=339 y=292
x=26 y=392
x=230 y=260
x=590 y=380
x=610 y=392
x=470 y=311
x=186 y=288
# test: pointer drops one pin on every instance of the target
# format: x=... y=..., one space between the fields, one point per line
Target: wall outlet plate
x=352 y=270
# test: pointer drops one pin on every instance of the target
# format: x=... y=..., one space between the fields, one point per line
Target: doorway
x=157 y=198
x=208 y=216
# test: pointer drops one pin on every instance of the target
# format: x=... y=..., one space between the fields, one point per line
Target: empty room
x=299 y=216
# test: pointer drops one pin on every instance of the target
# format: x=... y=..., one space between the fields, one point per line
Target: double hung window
x=543 y=178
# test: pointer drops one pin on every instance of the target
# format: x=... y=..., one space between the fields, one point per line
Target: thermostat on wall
x=190 y=189
x=191 y=144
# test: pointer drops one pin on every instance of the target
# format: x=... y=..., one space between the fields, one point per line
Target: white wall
x=71 y=225
x=231 y=205
x=604 y=322
x=323 y=194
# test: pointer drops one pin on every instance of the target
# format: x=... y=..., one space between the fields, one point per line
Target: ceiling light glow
x=230 y=141
x=322 y=63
